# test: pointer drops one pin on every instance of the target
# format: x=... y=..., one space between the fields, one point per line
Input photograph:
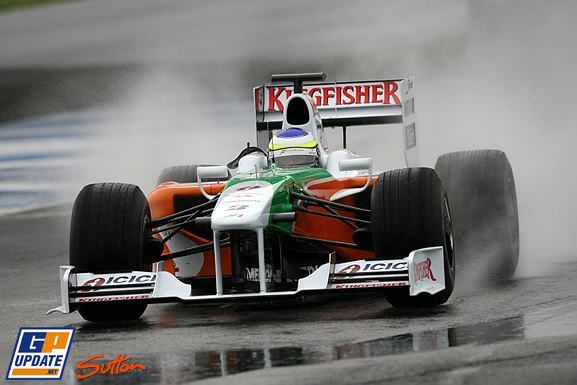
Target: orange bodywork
x=333 y=229
x=161 y=200
x=161 y=203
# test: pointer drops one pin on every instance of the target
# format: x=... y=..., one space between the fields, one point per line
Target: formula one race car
x=287 y=219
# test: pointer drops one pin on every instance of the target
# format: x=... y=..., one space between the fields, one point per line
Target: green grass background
x=6 y=5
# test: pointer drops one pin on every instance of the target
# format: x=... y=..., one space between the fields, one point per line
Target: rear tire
x=410 y=211
x=107 y=236
x=181 y=174
x=481 y=188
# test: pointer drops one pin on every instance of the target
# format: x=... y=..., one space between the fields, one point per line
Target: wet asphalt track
x=524 y=332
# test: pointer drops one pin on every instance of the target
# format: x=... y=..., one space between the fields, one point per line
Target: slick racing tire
x=181 y=174
x=409 y=211
x=107 y=236
x=481 y=189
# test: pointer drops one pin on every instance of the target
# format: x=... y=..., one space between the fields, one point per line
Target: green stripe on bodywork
x=284 y=180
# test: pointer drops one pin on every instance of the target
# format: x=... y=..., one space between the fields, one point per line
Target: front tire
x=410 y=211
x=107 y=236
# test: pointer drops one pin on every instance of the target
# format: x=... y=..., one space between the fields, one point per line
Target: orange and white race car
x=288 y=218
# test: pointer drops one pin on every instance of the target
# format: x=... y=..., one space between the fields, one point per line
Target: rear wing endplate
x=344 y=104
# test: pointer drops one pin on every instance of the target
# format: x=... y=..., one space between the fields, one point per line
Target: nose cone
x=245 y=205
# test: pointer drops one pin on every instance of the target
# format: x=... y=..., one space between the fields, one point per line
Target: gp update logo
x=40 y=354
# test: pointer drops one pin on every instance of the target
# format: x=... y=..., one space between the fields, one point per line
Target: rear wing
x=344 y=104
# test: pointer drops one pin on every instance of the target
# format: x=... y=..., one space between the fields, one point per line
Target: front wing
x=422 y=271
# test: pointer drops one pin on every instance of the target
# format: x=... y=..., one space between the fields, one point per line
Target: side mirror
x=210 y=172
x=358 y=164
x=214 y=172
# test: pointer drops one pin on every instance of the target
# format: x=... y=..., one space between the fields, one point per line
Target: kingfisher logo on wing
x=40 y=354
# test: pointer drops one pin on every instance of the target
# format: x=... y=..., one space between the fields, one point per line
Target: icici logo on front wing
x=93 y=282
x=351 y=269
x=118 y=279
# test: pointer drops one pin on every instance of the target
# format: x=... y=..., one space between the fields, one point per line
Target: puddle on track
x=195 y=365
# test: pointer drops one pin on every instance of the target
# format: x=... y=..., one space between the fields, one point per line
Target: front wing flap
x=422 y=271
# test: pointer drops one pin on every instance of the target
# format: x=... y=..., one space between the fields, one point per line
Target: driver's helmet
x=293 y=147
